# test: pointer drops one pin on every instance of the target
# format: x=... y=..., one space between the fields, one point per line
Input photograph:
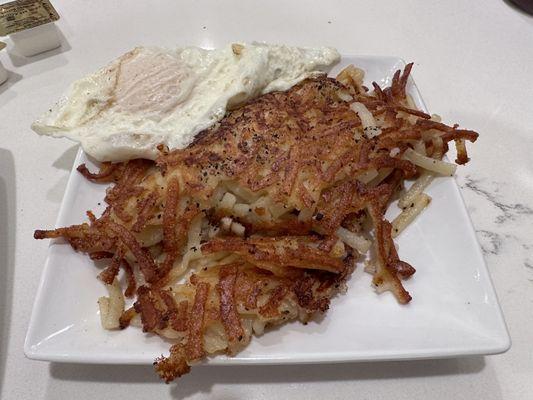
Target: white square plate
x=454 y=310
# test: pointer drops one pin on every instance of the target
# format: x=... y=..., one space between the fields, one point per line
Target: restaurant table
x=473 y=64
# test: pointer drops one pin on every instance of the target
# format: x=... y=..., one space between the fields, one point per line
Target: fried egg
x=151 y=96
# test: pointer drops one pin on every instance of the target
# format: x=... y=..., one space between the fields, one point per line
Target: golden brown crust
x=108 y=275
x=180 y=321
x=85 y=238
x=126 y=317
x=276 y=255
x=267 y=151
x=295 y=167
x=130 y=279
x=144 y=211
x=195 y=348
x=270 y=309
x=107 y=173
x=174 y=366
x=146 y=263
x=127 y=187
x=387 y=274
x=150 y=312
x=169 y=215
x=247 y=289
x=228 y=310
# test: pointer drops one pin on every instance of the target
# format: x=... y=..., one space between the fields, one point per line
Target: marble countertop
x=473 y=64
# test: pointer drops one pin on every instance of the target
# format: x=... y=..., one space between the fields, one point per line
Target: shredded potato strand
x=261 y=219
x=410 y=212
x=431 y=164
x=416 y=188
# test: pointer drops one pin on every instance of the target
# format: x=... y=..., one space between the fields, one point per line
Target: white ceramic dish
x=454 y=310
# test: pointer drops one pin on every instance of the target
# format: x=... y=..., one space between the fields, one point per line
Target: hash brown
x=241 y=230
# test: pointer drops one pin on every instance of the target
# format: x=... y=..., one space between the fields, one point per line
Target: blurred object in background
x=30 y=26
x=3 y=72
x=525 y=5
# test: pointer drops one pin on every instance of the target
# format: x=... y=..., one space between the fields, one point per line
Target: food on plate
x=259 y=221
x=152 y=96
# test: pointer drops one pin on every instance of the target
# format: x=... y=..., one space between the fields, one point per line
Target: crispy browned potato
x=267 y=210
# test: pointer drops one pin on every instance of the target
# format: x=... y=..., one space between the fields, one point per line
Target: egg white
x=153 y=95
